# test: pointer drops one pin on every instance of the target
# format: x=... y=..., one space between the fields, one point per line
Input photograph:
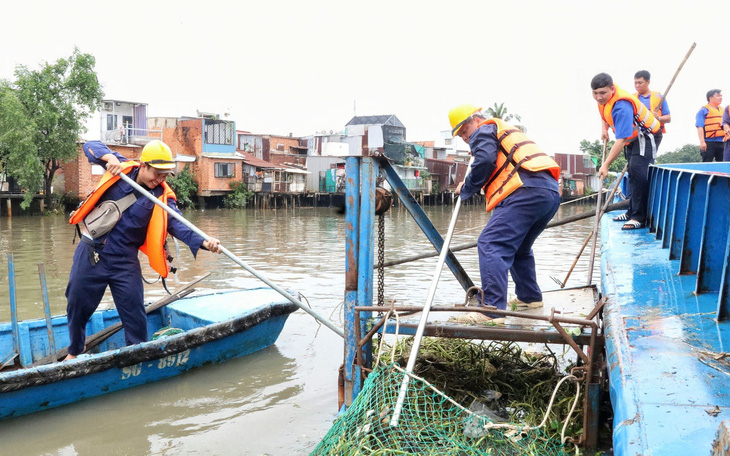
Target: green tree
x=17 y=150
x=595 y=149
x=239 y=197
x=500 y=112
x=185 y=188
x=689 y=153
x=51 y=104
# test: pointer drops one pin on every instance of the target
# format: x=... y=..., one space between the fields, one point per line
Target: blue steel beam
x=660 y=191
x=352 y=232
x=671 y=207
x=680 y=215
x=366 y=257
x=423 y=221
x=688 y=259
x=723 y=298
x=653 y=202
x=714 y=235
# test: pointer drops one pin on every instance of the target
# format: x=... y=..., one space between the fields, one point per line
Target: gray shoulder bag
x=105 y=216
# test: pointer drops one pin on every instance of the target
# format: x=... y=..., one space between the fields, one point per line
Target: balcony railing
x=136 y=136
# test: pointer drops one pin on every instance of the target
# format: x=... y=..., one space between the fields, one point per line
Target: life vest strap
x=516 y=167
x=508 y=159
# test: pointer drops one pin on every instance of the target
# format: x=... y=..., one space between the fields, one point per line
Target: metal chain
x=381 y=270
x=381 y=259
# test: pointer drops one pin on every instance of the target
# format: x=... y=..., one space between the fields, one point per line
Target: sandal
x=621 y=218
x=632 y=225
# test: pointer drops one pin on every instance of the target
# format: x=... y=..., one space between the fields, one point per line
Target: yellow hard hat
x=158 y=155
x=459 y=115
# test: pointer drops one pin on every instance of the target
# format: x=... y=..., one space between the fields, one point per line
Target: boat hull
x=39 y=388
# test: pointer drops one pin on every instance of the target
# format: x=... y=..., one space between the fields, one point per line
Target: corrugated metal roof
x=222 y=156
x=387 y=119
x=259 y=163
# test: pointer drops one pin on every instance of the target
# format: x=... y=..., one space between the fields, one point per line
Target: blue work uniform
x=639 y=153
x=715 y=148
x=117 y=266
x=505 y=244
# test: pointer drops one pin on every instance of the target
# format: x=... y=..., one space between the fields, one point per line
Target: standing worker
x=636 y=129
x=709 y=129
x=651 y=99
x=107 y=253
x=726 y=130
x=521 y=185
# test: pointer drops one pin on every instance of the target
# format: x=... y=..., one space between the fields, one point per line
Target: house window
x=225 y=170
x=219 y=132
x=111 y=121
x=280 y=147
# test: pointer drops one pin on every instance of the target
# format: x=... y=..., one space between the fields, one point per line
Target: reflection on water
x=280 y=400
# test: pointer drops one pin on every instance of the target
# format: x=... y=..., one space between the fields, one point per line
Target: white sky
x=299 y=67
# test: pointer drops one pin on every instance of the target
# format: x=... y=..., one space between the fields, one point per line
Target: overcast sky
x=298 y=67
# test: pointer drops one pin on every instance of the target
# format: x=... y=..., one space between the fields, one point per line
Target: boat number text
x=131 y=371
x=178 y=359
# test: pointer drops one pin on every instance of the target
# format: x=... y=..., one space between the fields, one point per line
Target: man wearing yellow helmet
x=107 y=253
x=521 y=185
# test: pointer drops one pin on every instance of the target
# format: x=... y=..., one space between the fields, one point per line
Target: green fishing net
x=463 y=391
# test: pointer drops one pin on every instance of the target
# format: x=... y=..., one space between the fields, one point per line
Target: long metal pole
x=598 y=218
x=585 y=243
x=15 y=328
x=230 y=255
x=426 y=307
x=47 y=310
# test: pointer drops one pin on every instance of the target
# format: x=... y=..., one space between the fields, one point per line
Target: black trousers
x=714 y=151
x=639 y=173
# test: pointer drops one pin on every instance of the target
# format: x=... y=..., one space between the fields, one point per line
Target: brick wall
x=187 y=139
x=208 y=184
x=79 y=181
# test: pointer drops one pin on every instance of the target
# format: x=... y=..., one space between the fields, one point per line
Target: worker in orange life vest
x=110 y=259
x=521 y=187
x=638 y=134
x=651 y=99
x=709 y=127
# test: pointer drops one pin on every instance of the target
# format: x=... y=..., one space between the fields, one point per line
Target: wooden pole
x=692 y=48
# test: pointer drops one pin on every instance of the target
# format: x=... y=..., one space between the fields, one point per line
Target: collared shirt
x=130 y=232
x=484 y=148
x=623 y=119
x=646 y=100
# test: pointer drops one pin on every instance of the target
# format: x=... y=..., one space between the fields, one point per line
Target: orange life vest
x=154 y=245
x=713 y=122
x=654 y=99
x=643 y=118
x=516 y=151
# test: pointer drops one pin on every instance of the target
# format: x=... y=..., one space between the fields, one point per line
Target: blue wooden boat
x=666 y=317
x=215 y=327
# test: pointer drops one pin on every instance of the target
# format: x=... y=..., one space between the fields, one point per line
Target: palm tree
x=500 y=112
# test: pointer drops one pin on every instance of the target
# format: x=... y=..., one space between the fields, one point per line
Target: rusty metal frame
x=584 y=373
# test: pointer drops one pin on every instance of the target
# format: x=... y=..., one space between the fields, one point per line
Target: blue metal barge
x=666 y=315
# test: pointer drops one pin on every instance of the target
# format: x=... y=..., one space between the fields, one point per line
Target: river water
x=281 y=400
